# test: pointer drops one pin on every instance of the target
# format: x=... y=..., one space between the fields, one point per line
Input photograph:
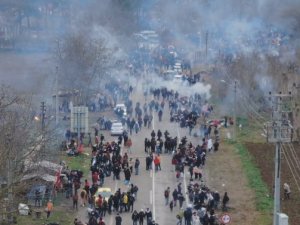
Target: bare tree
x=81 y=60
x=19 y=142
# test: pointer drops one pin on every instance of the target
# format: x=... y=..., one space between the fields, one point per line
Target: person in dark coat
x=225 y=201
x=159 y=134
x=148 y=214
x=141 y=217
x=118 y=219
x=135 y=217
x=175 y=196
x=153 y=134
x=217 y=197
x=188 y=216
x=127 y=175
x=160 y=113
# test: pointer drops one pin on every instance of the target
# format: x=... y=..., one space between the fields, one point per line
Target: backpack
x=166 y=193
x=135 y=188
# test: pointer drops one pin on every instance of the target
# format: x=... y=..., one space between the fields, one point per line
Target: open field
x=263 y=156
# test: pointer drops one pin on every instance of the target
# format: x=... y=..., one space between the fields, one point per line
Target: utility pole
x=234 y=113
x=279 y=131
x=206 y=44
x=9 y=206
x=43 y=110
x=56 y=96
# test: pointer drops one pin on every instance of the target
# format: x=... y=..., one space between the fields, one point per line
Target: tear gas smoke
x=183 y=88
x=263 y=27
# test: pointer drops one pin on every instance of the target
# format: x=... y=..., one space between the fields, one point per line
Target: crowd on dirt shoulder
x=202 y=201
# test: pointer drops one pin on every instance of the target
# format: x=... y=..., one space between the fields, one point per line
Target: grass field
x=60 y=215
x=80 y=162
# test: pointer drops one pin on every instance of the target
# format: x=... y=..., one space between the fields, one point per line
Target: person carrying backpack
x=167 y=195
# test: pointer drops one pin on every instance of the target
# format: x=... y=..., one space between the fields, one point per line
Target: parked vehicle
x=117 y=129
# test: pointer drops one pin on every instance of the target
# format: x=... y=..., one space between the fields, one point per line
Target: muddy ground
x=263 y=155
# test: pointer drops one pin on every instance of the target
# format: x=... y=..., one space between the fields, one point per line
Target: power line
x=279 y=131
x=295 y=156
x=291 y=161
x=298 y=186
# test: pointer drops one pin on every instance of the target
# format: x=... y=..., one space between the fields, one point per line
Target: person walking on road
x=136 y=127
x=171 y=206
x=135 y=217
x=128 y=145
x=141 y=217
x=160 y=113
x=179 y=217
x=83 y=196
x=150 y=121
x=127 y=175
x=148 y=214
x=118 y=219
x=179 y=188
x=149 y=160
x=175 y=196
x=75 y=200
x=136 y=166
x=157 y=163
x=188 y=216
x=181 y=199
x=167 y=195
x=153 y=134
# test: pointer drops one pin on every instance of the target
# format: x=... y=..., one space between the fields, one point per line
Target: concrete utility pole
x=279 y=131
x=9 y=206
x=206 y=44
x=234 y=115
x=43 y=111
x=56 y=96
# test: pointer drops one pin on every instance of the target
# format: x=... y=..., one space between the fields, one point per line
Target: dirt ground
x=224 y=173
x=263 y=155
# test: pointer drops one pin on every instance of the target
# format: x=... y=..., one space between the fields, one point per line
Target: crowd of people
x=203 y=202
x=109 y=161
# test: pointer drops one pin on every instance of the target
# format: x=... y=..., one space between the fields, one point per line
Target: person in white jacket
x=209 y=144
x=195 y=219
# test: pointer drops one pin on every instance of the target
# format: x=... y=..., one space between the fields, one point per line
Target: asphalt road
x=151 y=184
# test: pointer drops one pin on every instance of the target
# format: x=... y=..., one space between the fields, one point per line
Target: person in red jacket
x=101 y=222
x=95 y=177
x=157 y=162
x=87 y=187
x=128 y=145
x=98 y=203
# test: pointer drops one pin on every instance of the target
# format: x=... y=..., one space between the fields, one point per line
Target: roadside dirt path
x=223 y=173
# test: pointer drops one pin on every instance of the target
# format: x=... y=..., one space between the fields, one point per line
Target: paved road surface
x=151 y=184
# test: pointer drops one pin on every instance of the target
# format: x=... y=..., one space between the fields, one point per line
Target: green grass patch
x=263 y=200
x=251 y=132
x=264 y=203
x=63 y=217
x=81 y=162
